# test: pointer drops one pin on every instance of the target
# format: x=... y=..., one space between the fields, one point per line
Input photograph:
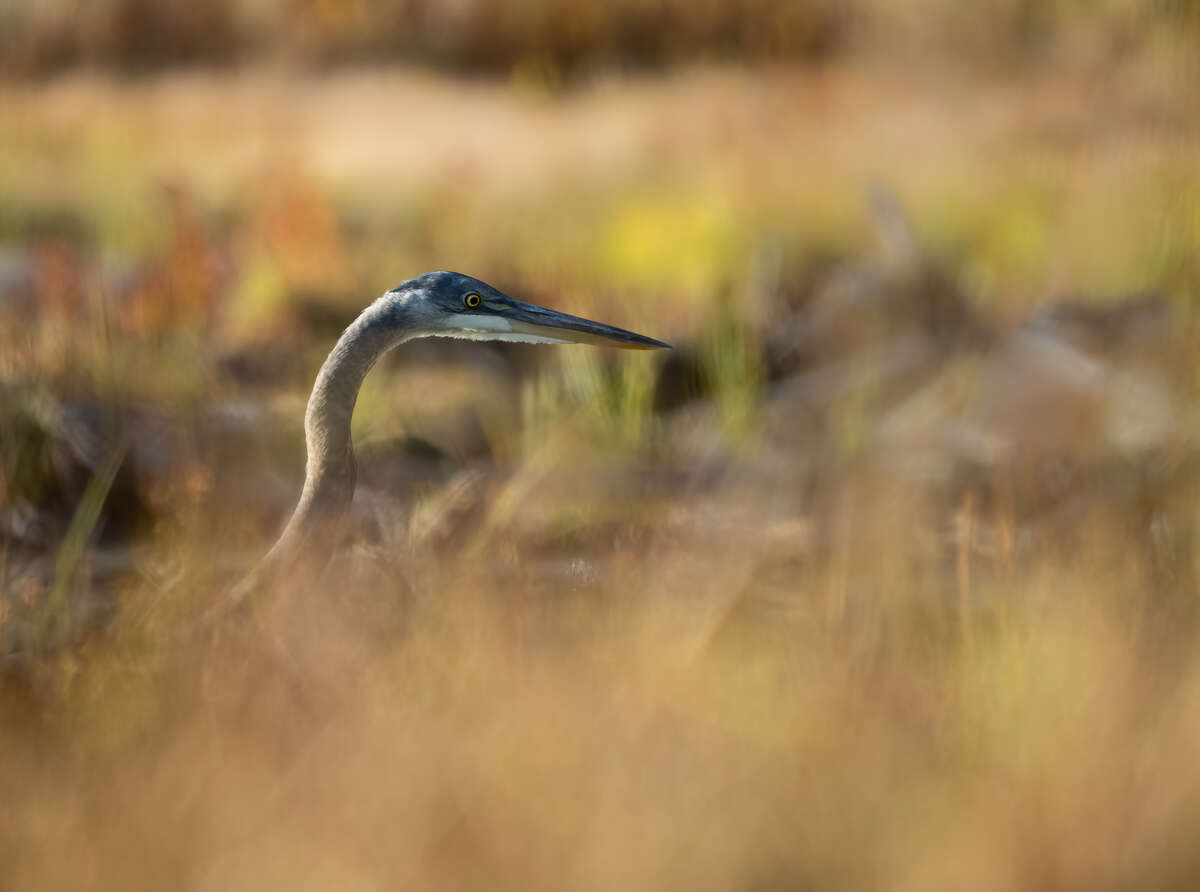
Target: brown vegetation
x=545 y=41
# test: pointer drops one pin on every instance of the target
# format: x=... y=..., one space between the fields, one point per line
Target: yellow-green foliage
x=701 y=234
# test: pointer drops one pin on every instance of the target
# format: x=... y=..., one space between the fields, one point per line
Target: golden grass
x=689 y=716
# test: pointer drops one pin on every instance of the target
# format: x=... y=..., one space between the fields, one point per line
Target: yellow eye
x=472 y=300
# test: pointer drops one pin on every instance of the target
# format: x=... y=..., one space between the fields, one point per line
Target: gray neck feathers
x=331 y=405
x=330 y=472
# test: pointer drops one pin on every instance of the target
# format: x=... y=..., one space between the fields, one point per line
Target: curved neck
x=331 y=405
x=330 y=472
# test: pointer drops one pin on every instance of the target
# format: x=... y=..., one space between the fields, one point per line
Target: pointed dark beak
x=534 y=320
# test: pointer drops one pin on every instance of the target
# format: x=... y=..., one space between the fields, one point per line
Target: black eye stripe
x=472 y=300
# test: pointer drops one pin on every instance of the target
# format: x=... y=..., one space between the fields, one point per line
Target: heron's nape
x=437 y=304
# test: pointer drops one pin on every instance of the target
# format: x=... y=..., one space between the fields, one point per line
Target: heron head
x=453 y=305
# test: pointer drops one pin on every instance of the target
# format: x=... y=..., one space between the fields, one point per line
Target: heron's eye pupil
x=472 y=300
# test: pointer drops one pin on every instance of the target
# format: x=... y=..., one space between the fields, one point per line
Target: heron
x=435 y=304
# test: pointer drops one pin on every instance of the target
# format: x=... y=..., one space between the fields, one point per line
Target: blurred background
x=884 y=578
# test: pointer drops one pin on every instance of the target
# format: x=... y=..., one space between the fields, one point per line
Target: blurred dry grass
x=552 y=41
x=885 y=579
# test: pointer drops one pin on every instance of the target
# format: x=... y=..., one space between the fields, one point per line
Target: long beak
x=531 y=319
